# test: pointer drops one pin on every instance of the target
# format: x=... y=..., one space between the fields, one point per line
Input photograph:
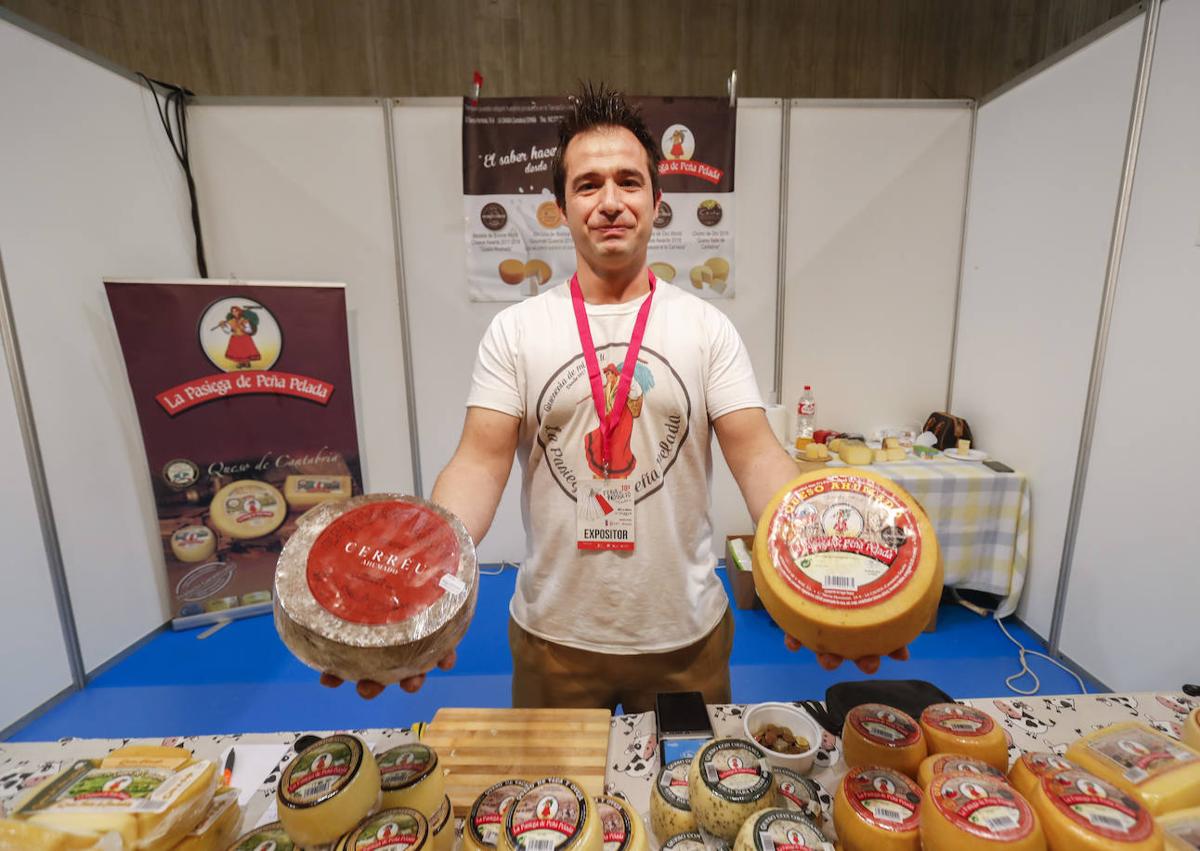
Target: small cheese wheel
x=247 y=509
x=874 y=734
x=484 y=823
x=411 y=777
x=953 y=763
x=271 y=836
x=670 y=807
x=219 y=827
x=1181 y=829
x=777 y=828
x=1029 y=769
x=309 y=490
x=796 y=792
x=555 y=814
x=958 y=729
x=442 y=826
x=23 y=836
x=729 y=780
x=1081 y=812
x=193 y=543
x=689 y=841
x=847 y=562
x=327 y=789
x=964 y=812
x=621 y=826
x=855 y=453
x=1191 y=730
x=877 y=808
x=1162 y=773
x=395 y=829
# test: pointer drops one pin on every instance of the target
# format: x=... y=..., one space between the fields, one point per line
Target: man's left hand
x=828 y=661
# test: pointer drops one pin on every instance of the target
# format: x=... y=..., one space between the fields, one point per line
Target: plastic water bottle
x=806 y=413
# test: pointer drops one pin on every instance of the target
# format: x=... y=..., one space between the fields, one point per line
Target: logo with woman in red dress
x=239 y=334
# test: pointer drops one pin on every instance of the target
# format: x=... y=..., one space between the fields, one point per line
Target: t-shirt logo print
x=622 y=462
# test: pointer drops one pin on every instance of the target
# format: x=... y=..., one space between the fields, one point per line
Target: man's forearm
x=471 y=492
x=768 y=471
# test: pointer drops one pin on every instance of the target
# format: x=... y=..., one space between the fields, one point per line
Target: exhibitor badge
x=604 y=515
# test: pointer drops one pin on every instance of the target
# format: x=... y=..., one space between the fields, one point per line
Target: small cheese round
x=776 y=828
x=1181 y=829
x=1029 y=769
x=399 y=829
x=847 y=562
x=327 y=789
x=411 y=777
x=484 y=823
x=247 y=509
x=794 y=791
x=689 y=841
x=954 y=763
x=1080 y=811
x=441 y=825
x=622 y=827
x=966 y=813
x=193 y=543
x=877 y=808
x=670 y=808
x=1161 y=772
x=1191 y=730
x=958 y=729
x=874 y=734
x=729 y=780
x=271 y=836
x=553 y=814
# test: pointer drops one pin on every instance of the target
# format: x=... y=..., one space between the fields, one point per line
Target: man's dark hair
x=600 y=106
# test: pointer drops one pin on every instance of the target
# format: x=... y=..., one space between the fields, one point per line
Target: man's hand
x=369 y=689
x=828 y=661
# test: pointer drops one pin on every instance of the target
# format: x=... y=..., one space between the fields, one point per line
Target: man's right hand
x=369 y=689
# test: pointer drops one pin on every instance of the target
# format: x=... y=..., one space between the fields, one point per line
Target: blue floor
x=242 y=678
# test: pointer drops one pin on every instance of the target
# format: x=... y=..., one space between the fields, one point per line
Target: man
x=608 y=390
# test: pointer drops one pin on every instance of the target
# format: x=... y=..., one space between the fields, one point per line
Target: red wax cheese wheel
x=958 y=729
x=954 y=763
x=874 y=734
x=964 y=812
x=877 y=808
x=1027 y=772
x=1161 y=772
x=1080 y=811
x=847 y=562
x=377 y=587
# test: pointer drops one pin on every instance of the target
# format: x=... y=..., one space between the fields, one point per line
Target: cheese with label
x=1181 y=829
x=622 y=827
x=247 y=509
x=376 y=587
x=729 y=780
x=847 y=562
x=855 y=453
x=23 y=836
x=670 y=806
x=965 y=813
x=802 y=794
x=1162 y=773
x=193 y=543
x=1029 y=769
x=221 y=824
x=327 y=789
x=953 y=763
x=874 y=734
x=689 y=841
x=442 y=826
x=1191 y=730
x=148 y=756
x=411 y=777
x=877 y=809
x=782 y=829
x=554 y=814
x=396 y=829
x=305 y=491
x=270 y=836
x=1081 y=812
x=958 y=729
x=484 y=823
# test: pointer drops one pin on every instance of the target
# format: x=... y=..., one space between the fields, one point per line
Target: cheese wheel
x=1181 y=829
x=689 y=841
x=394 y=829
x=1029 y=769
x=442 y=826
x=876 y=809
x=776 y=828
x=247 y=509
x=729 y=780
x=847 y=562
x=1191 y=730
x=621 y=826
x=670 y=807
x=309 y=490
x=220 y=825
x=801 y=794
x=554 y=814
x=874 y=734
x=193 y=543
x=484 y=823
x=271 y=836
x=964 y=812
x=1162 y=773
x=23 y=836
x=327 y=789
x=1080 y=811
x=377 y=587
x=411 y=777
x=958 y=729
x=953 y=763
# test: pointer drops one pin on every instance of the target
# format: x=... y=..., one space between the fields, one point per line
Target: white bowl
x=794 y=719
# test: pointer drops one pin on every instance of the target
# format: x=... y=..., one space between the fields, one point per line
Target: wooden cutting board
x=479 y=747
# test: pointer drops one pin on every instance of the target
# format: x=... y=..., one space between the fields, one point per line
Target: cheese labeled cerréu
x=247 y=509
x=411 y=777
x=270 y=836
x=1191 y=730
x=399 y=829
x=729 y=780
x=485 y=822
x=1159 y=771
x=327 y=789
x=219 y=827
x=782 y=829
x=1080 y=811
x=193 y=543
x=1027 y=772
x=376 y=587
x=799 y=793
x=953 y=763
x=621 y=826
x=1181 y=829
x=966 y=813
x=877 y=809
x=954 y=728
x=847 y=562
x=554 y=814
x=874 y=734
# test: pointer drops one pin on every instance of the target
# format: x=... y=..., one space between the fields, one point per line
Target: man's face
x=610 y=205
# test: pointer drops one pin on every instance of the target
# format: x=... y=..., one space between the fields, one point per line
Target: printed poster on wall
x=517 y=241
x=244 y=399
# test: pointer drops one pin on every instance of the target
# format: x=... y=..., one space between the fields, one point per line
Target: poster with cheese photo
x=517 y=241
x=244 y=399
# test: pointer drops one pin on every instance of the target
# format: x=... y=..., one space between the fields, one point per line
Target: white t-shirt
x=692 y=369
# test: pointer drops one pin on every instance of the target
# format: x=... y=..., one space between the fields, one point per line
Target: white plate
x=972 y=455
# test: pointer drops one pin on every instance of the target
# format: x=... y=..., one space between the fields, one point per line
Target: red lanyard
x=609 y=419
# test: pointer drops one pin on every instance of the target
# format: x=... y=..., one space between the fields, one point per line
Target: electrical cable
x=504 y=565
x=1027 y=671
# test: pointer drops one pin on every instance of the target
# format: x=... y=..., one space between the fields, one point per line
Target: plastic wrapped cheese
x=1159 y=771
x=269 y=836
x=874 y=734
x=327 y=789
x=969 y=813
x=953 y=763
x=847 y=562
x=1181 y=829
x=780 y=829
x=221 y=824
x=483 y=824
x=377 y=587
x=1191 y=730
x=729 y=780
x=411 y=777
x=1029 y=769
x=23 y=836
x=1081 y=812
x=877 y=809
x=620 y=824
x=554 y=814
x=670 y=806
x=958 y=729
x=796 y=792
x=398 y=829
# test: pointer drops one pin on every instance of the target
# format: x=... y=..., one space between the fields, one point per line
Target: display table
x=1033 y=724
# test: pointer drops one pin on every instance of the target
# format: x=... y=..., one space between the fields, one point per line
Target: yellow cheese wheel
x=23 y=836
x=874 y=734
x=396 y=829
x=953 y=763
x=877 y=809
x=442 y=826
x=247 y=509
x=729 y=780
x=958 y=729
x=1162 y=773
x=777 y=828
x=271 y=836
x=1191 y=730
x=554 y=814
x=966 y=813
x=327 y=790
x=220 y=825
x=193 y=543
x=1080 y=811
x=1181 y=829
x=622 y=828
x=410 y=776
x=847 y=562
x=670 y=807
x=1029 y=769
x=484 y=823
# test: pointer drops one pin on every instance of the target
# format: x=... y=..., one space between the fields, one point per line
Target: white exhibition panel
x=875 y=208
x=1044 y=186
x=1131 y=612
x=91 y=189
x=300 y=193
